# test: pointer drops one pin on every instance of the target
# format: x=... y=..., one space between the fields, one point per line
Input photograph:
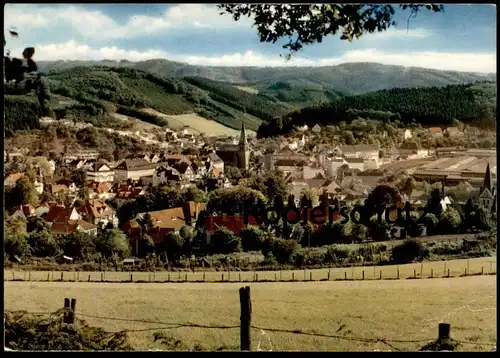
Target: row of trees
x=34 y=238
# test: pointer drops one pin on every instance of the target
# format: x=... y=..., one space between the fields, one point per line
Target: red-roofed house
x=73 y=226
x=97 y=211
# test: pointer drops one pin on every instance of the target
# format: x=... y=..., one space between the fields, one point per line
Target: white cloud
x=393 y=32
x=468 y=62
x=95 y=24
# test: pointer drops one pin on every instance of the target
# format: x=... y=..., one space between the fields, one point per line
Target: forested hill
x=348 y=78
x=94 y=94
x=436 y=106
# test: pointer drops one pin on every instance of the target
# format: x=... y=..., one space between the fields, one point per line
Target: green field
x=437 y=269
x=402 y=310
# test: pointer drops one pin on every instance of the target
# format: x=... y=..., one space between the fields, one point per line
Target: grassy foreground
x=485 y=265
x=397 y=310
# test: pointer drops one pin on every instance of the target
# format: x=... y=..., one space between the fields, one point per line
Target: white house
x=364 y=151
x=134 y=169
x=332 y=165
x=100 y=172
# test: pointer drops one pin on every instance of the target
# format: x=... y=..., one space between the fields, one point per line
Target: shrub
x=284 y=249
x=27 y=332
x=223 y=241
x=251 y=238
x=337 y=254
x=409 y=251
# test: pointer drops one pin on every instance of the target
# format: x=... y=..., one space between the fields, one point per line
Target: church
x=235 y=155
x=487 y=194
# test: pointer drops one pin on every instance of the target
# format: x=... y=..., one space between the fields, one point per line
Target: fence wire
x=172 y=325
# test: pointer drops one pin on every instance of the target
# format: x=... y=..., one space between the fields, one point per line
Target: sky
x=462 y=38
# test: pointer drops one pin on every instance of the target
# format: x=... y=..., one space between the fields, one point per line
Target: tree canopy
x=310 y=23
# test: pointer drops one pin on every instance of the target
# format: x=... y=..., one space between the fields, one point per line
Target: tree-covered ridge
x=349 y=78
x=91 y=94
x=230 y=95
x=436 y=106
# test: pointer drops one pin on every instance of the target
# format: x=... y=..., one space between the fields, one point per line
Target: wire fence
x=245 y=318
x=428 y=270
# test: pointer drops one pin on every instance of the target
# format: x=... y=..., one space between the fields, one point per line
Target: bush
x=282 y=249
x=338 y=254
x=251 y=238
x=409 y=251
x=223 y=241
x=36 y=333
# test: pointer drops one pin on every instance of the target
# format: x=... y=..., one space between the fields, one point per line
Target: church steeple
x=243 y=135
x=487 y=179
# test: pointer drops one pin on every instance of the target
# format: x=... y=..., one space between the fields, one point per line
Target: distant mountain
x=348 y=78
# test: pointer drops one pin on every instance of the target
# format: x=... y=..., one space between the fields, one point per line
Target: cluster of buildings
x=340 y=172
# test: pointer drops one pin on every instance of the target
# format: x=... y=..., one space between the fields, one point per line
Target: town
x=81 y=192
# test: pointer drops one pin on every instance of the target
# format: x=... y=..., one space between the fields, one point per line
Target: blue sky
x=463 y=38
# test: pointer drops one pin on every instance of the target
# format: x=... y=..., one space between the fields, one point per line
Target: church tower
x=243 y=150
x=487 y=193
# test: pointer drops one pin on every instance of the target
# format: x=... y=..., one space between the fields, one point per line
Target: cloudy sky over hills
x=463 y=38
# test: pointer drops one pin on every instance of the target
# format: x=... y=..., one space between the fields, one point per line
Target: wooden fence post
x=293 y=276
x=169 y=277
x=398 y=272
x=310 y=276
x=345 y=275
x=465 y=271
x=363 y=277
x=275 y=276
x=78 y=276
x=203 y=276
x=13 y=276
x=102 y=277
x=62 y=276
x=186 y=277
x=444 y=331
x=328 y=275
x=222 y=278
x=71 y=318
x=52 y=275
x=245 y=318
x=482 y=270
x=281 y=275
x=414 y=273
x=89 y=278
x=304 y=274
x=448 y=272
x=257 y=277
x=239 y=276
x=432 y=273
x=131 y=277
x=67 y=307
x=179 y=276
x=444 y=268
x=29 y=275
x=48 y=276
x=380 y=274
x=421 y=270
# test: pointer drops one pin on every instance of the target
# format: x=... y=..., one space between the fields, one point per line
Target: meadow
x=407 y=312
